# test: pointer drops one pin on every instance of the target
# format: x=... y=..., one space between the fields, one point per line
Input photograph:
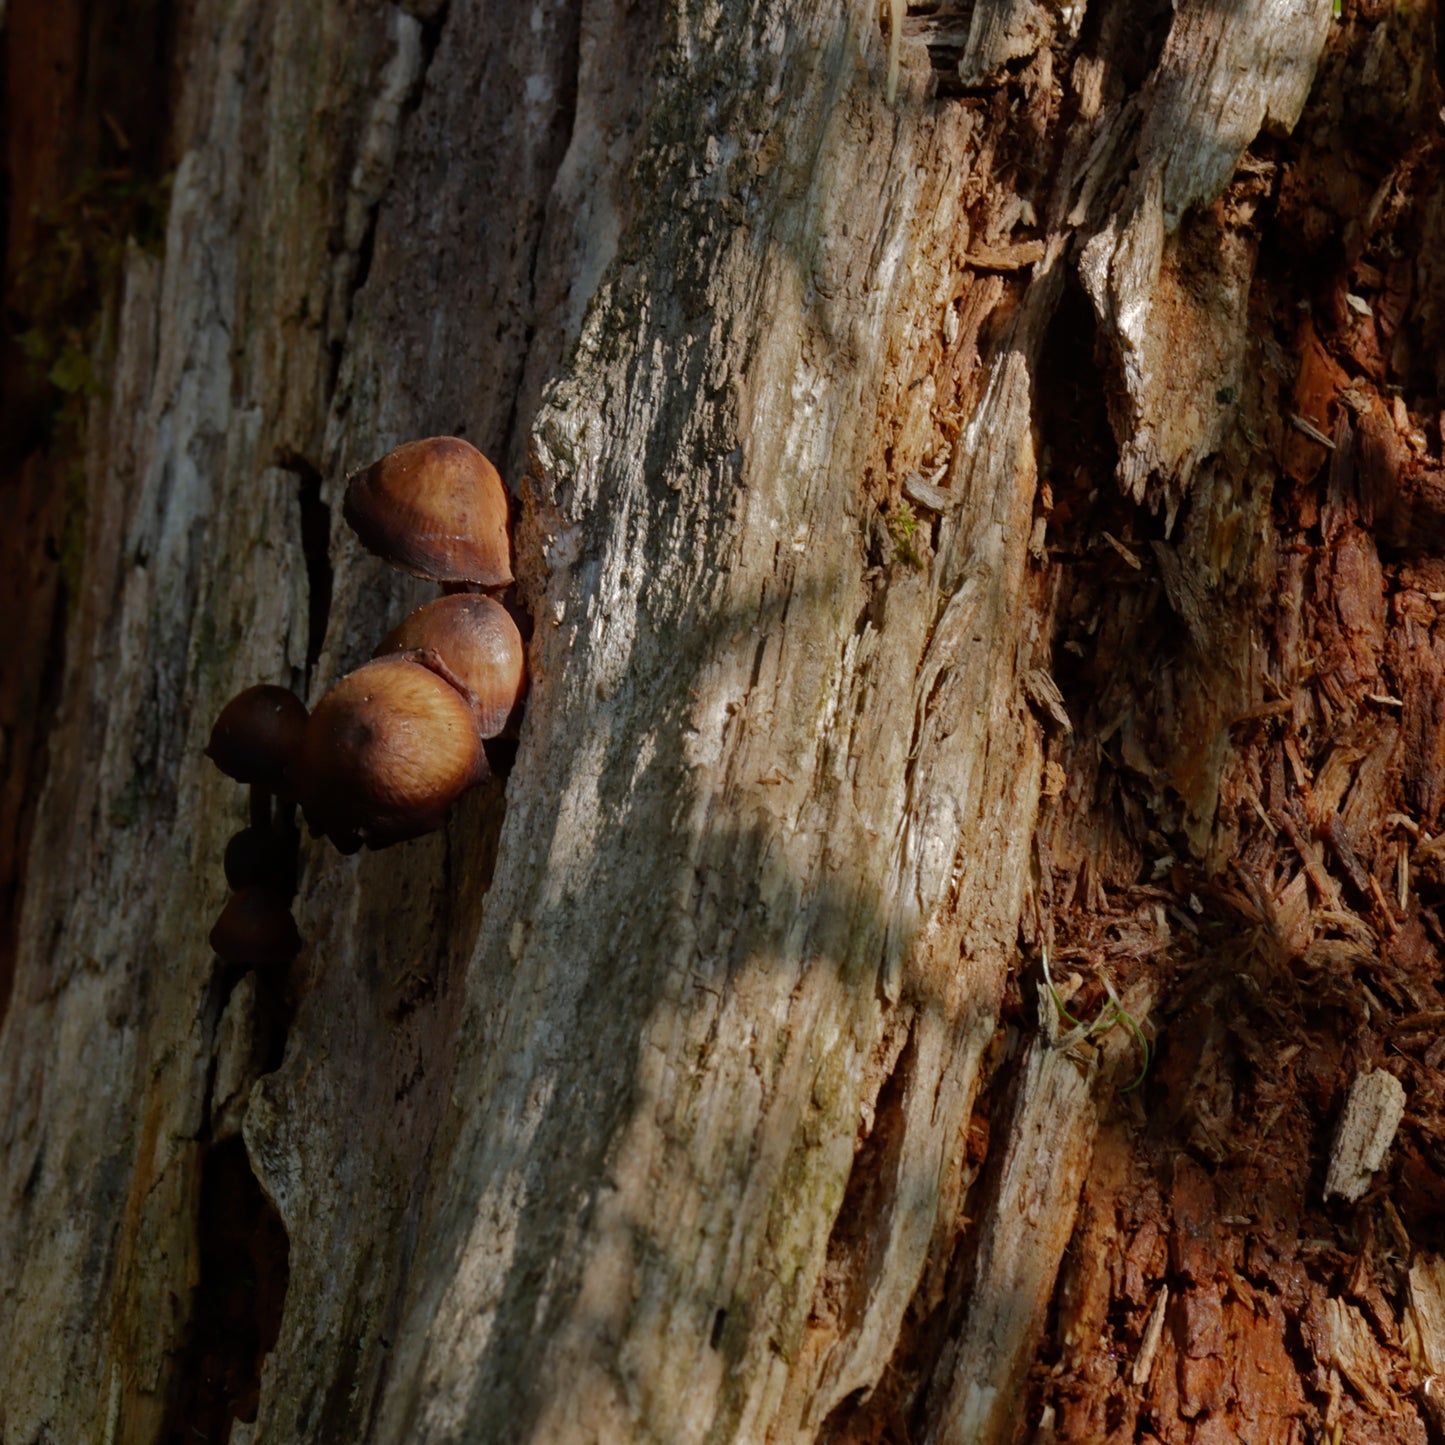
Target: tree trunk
x=978 y=485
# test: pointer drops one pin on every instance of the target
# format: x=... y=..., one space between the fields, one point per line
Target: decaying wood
x=1372 y=1113
x=1425 y=1321
x=1306 y=949
x=1349 y=1347
x=1143 y=1366
x=1427 y=1311
x=683 y=1088
x=1001 y=31
x=1027 y=1225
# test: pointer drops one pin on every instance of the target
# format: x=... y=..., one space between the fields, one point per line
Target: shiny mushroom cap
x=480 y=650
x=387 y=750
x=257 y=738
x=436 y=509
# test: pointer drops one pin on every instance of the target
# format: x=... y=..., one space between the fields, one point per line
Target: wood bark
x=925 y=572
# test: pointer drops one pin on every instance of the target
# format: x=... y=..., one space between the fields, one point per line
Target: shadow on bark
x=236 y=1311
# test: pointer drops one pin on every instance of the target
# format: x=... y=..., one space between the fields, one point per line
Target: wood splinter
x=1372 y=1114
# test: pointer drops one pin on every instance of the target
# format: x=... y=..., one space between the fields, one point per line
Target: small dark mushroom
x=257 y=738
x=477 y=641
x=434 y=508
x=255 y=929
x=261 y=855
x=387 y=750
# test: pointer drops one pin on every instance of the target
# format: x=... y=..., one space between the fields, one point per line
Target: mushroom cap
x=257 y=738
x=256 y=929
x=260 y=855
x=388 y=748
x=434 y=508
x=479 y=646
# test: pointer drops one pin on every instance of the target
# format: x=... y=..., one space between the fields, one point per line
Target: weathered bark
x=693 y=1084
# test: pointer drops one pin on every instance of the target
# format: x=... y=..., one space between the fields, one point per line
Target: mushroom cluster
x=392 y=745
x=257 y=740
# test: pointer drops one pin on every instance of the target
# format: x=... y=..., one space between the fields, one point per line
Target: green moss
x=63 y=290
x=1112 y=1013
x=126 y=807
x=63 y=286
x=902 y=529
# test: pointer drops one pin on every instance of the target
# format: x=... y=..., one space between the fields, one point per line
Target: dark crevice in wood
x=316 y=550
x=1131 y=38
x=999 y=1097
x=511 y=443
x=501 y=754
x=431 y=33
x=864 y=1222
x=364 y=253
x=22 y=779
x=1101 y=657
x=244 y=1265
x=431 y=37
x=901 y=1406
x=242 y=1248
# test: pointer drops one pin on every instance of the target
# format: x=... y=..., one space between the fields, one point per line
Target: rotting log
x=1248 y=802
x=679 y=1090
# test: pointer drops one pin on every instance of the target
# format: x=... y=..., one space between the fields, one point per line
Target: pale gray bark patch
x=1049 y=1142
x=238 y=1050
x=1366 y=1129
x=1226 y=72
x=1001 y=31
x=375 y=157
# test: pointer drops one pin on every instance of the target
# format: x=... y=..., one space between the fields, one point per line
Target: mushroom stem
x=260 y=806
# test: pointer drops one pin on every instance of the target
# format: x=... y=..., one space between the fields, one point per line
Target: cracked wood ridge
x=979 y=482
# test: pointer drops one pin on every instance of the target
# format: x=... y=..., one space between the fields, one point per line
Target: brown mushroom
x=476 y=640
x=257 y=737
x=261 y=855
x=434 y=508
x=388 y=748
x=255 y=929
